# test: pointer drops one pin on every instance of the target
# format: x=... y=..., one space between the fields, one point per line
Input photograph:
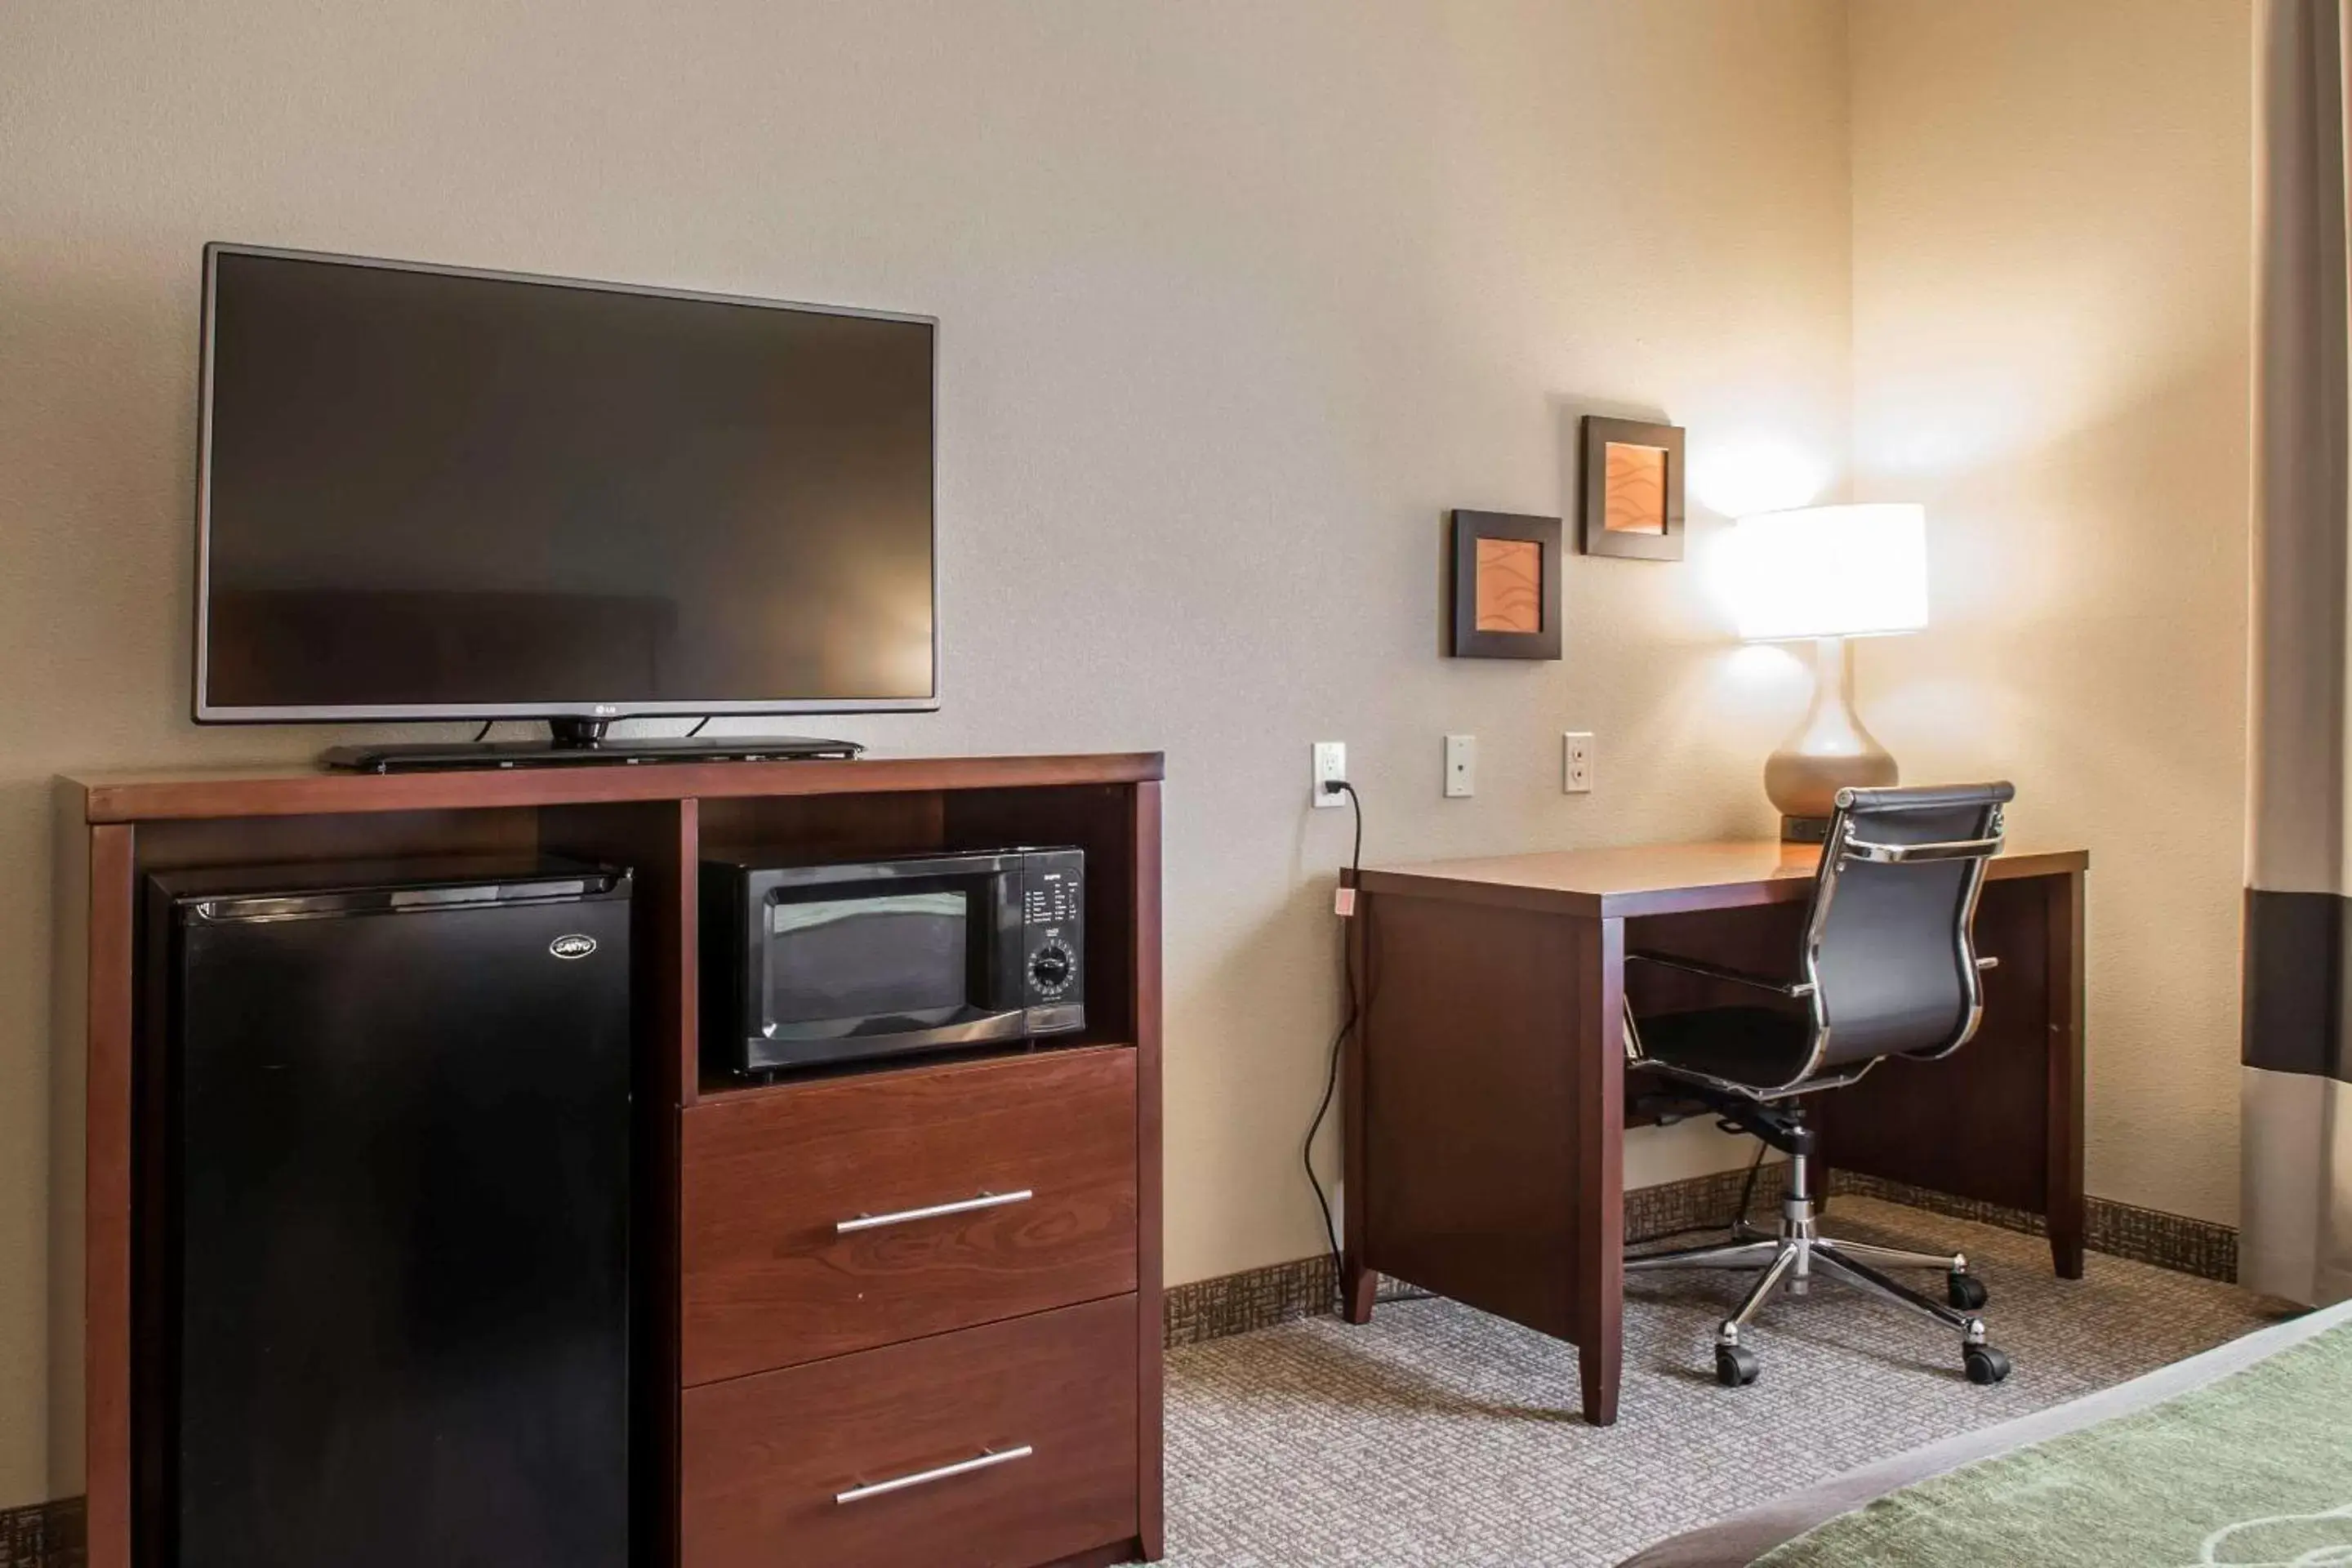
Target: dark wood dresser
x=897 y=1316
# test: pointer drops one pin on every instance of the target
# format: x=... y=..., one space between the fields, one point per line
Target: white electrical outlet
x=1461 y=766
x=1576 y=761
x=1330 y=767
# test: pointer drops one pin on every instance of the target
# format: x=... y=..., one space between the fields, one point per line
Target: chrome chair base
x=1798 y=1255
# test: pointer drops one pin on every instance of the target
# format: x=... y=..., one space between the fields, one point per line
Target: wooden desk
x=1485 y=1091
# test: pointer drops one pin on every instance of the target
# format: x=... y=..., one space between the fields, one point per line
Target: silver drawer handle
x=987 y=1460
x=937 y=1211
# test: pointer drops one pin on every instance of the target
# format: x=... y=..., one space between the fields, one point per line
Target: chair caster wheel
x=1966 y=1292
x=1736 y=1366
x=1985 y=1364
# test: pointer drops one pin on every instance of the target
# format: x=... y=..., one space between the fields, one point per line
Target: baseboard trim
x=1253 y=1299
x=42 y=1535
x=1699 y=1203
x=2178 y=1242
x=1281 y=1293
x=2204 y=1247
x=1306 y=1288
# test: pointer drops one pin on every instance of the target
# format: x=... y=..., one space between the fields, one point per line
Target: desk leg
x=1599 y=1057
x=2064 y=927
x=1357 y=1282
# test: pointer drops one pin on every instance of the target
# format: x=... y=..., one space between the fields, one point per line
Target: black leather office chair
x=1888 y=968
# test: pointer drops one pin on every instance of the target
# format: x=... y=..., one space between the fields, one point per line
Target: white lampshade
x=1832 y=572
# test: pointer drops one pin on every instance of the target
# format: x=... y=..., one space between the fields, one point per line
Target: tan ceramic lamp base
x=1829 y=751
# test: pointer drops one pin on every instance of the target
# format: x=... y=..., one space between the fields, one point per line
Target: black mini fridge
x=394 y=1217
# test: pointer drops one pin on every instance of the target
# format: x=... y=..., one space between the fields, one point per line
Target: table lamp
x=1827 y=573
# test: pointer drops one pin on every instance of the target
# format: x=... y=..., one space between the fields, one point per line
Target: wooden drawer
x=766 y=1459
x=771 y=1280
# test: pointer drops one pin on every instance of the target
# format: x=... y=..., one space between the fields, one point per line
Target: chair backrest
x=1890 y=944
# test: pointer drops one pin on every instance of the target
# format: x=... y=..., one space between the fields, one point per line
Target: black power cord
x=699 y=723
x=1747 y=1186
x=1331 y=1085
x=483 y=730
x=1331 y=1070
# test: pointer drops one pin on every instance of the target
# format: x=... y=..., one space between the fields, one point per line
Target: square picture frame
x=1504 y=586
x=1633 y=489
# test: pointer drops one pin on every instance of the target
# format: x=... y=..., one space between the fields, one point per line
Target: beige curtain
x=2295 y=1226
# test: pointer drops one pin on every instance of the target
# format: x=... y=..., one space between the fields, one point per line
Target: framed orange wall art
x=1633 y=489
x=1505 y=586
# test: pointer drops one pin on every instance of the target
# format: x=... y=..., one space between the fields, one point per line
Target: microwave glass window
x=901 y=955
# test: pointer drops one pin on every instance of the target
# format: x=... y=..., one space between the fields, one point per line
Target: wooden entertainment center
x=983 y=1387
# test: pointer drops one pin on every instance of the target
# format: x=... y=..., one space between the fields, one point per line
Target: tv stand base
x=454 y=756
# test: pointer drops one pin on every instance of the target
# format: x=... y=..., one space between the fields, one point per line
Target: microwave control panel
x=1054 y=920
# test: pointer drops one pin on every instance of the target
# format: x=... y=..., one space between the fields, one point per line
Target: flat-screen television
x=426 y=492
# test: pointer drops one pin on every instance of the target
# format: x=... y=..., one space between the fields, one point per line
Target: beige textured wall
x=1237 y=300
x=2052 y=303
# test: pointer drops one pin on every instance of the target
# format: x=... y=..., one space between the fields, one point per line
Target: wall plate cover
x=1461 y=766
x=1576 y=761
x=1330 y=766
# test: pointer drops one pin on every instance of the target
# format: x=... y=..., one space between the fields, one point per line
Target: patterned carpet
x=1440 y=1437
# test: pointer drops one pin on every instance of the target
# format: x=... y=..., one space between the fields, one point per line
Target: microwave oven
x=810 y=965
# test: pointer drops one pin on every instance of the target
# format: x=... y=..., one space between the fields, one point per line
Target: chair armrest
x=1718 y=971
x=1905 y=854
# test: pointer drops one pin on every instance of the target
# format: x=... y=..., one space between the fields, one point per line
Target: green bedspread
x=2255 y=1468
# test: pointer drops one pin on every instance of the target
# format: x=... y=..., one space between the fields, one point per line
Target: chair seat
x=1754 y=1046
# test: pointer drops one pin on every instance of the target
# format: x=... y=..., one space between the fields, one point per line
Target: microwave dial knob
x=1050 y=970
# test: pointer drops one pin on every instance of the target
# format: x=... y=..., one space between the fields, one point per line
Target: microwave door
x=851 y=969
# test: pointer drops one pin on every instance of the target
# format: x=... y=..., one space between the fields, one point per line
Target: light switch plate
x=1461 y=766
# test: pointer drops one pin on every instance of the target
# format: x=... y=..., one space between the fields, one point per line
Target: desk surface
x=1655 y=878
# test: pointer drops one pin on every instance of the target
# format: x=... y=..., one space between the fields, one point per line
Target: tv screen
x=428 y=493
